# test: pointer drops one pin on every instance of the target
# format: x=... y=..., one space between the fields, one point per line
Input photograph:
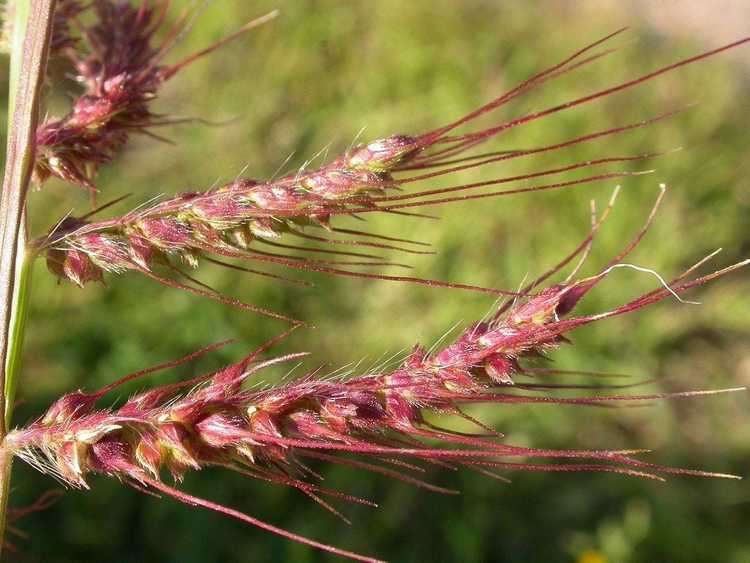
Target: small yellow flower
x=591 y=557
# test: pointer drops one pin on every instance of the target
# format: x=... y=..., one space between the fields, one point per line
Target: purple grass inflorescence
x=381 y=421
x=241 y=218
x=381 y=417
x=118 y=62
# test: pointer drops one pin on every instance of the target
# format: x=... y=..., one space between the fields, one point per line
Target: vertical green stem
x=32 y=35
x=20 y=17
x=6 y=460
x=13 y=366
x=18 y=328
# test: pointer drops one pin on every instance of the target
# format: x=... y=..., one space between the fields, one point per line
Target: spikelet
x=380 y=416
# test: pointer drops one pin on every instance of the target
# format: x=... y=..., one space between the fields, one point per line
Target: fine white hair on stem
x=357 y=137
x=444 y=336
x=656 y=275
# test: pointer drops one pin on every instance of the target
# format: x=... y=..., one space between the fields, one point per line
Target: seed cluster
x=117 y=60
x=225 y=220
x=382 y=416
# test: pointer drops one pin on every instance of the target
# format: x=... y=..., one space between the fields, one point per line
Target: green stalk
x=13 y=366
x=20 y=17
x=18 y=327
x=32 y=33
x=6 y=461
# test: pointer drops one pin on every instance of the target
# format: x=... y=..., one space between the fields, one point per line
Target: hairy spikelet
x=117 y=59
x=382 y=417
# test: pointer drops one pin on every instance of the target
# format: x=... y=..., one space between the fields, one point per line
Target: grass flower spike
x=383 y=419
x=245 y=219
x=118 y=60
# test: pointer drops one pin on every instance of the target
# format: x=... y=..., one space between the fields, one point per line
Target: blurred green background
x=312 y=80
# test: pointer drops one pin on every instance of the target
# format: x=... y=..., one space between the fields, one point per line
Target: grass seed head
x=383 y=416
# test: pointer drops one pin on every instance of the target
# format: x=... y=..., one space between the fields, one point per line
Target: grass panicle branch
x=117 y=59
x=246 y=219
x=380 y=421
